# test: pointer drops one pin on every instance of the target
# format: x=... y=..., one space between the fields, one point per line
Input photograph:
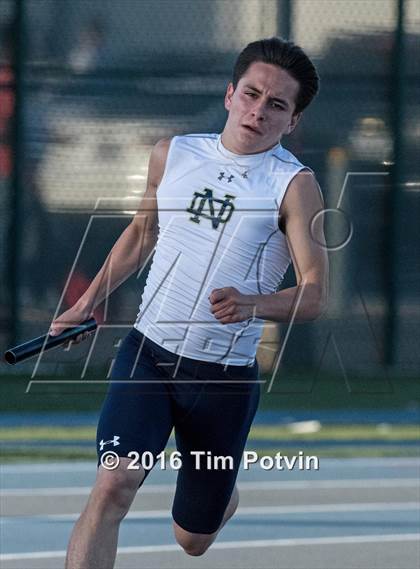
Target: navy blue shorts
x=211 y=408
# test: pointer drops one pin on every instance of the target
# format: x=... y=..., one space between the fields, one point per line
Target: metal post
x=284 y=19
x=17 y=174
x=396 y=173
x=337 y=166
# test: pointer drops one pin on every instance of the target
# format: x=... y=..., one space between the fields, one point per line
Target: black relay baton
x=46 y=342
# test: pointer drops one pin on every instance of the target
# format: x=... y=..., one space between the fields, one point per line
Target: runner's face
x=261 y=109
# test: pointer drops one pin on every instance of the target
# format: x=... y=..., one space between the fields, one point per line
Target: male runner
x=225 y=214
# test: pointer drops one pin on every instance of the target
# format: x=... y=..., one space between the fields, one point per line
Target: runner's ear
x=228 y=97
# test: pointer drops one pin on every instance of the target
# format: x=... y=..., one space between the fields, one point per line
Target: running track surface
x=351 y=514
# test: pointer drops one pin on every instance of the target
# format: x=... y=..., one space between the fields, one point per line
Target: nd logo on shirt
x=207 y=201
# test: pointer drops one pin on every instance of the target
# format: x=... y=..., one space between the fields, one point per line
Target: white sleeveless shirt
x=218 y=227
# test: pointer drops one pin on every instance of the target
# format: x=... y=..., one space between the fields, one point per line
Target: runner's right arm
x=131 y=250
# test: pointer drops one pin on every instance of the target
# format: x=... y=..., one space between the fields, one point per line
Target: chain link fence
x=86 y=89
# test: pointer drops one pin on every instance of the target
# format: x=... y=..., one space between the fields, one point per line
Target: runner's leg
x=136 y=416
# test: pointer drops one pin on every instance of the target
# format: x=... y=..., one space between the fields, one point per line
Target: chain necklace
x=246 y=168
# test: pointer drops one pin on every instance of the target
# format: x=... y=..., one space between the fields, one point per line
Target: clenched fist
x=228 y=305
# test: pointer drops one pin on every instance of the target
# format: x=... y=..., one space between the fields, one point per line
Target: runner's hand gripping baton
x=46 y=342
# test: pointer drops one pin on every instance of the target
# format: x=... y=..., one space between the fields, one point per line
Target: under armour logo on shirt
x=228 y=178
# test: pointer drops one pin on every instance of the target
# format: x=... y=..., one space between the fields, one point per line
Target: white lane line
x=244 y=511
x=65 y=491
x=401 y=537
x=327 y=463
x=268 y=485
x=351 y=483
x=48 y=467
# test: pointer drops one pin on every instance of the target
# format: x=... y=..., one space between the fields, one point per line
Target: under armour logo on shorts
x=114 y=442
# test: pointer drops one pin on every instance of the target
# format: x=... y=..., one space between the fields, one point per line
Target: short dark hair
x=286 y=55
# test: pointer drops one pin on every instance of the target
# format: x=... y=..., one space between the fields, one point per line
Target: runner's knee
x=192 y=543
x=115 y=490
x=196 y=550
